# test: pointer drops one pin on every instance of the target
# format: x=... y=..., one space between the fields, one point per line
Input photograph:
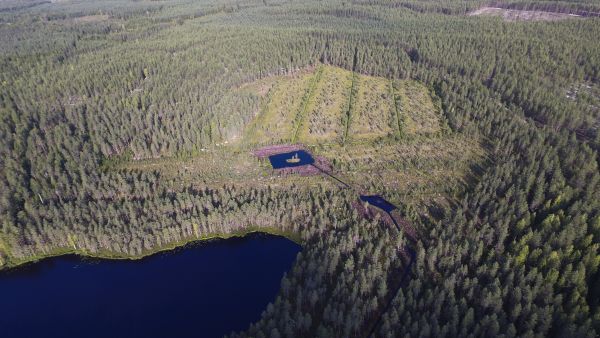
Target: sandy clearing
x=521 y=15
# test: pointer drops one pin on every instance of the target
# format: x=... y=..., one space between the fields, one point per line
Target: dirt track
x=389 y=216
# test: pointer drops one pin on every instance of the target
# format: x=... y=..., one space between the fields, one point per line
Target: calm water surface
x=279 y=161
x=205 y=290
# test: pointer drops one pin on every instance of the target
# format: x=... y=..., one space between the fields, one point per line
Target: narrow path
x=413 y=257
x=330 y=175
x=411 y=252
x=387 y=207
x=396 y=98
x=348 y=119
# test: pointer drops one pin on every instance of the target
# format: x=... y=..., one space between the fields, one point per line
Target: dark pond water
x=379 y=202
x=205 y=290
x=279 y=161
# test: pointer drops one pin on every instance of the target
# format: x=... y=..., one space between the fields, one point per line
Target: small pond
x=378 y=201
x=291 y=159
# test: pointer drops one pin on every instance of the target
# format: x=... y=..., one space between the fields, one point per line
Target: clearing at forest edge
x=372 y=132
x=522 y=15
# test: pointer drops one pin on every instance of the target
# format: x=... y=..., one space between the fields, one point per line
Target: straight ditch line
x=330 y=175
x=413 y=256
x=405 y=273
x=396 y=108
x=299 y=119
x=348 y=119
x=262 y=111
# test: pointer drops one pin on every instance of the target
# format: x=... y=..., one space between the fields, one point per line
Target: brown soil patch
x=267 y=151
x=521 y=15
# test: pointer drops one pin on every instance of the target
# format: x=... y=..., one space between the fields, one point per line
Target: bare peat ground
x=522 y=15
x=267 y=151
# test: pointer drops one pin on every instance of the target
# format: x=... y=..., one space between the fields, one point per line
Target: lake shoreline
x=108 y=255
x=222 y=286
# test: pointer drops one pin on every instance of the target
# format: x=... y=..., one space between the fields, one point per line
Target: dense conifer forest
x=126 y=128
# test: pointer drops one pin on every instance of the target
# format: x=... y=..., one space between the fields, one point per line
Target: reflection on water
x=204 y=290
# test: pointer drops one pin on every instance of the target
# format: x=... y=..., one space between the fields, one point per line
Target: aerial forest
x=127 y=127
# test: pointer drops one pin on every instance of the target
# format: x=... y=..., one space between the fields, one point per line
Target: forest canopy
x=126 y=127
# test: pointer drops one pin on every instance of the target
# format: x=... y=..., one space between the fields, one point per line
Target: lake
x=203 y=290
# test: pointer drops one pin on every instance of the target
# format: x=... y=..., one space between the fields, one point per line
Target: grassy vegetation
x=322 y=116
x=421 y=169
x=420 y=115
x=348 y=117
x=373 y=111
x=317 y=106
x=418 y=172
x=399 y=117
x=224 y=165
x=307 y=102
x=275 y=123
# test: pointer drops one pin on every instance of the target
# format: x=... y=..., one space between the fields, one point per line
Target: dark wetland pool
x=291 y=159
x=203 y=290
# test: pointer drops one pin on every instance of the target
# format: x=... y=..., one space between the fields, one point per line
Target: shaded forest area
x=87 y=84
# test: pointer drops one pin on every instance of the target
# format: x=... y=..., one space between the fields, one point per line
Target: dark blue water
x=205 y=290
x=279 y=161
x=378 y=201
